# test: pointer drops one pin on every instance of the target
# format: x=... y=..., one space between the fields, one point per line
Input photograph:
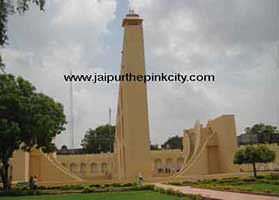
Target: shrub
x=128 y=184
x=142 y=187
x=214 y=180
x=229 y=180
x=147 y=187
x=62 y=187
x=260 y=177
x=240 y=182
x=174 y=193
x=274 y=176
x=97 y=185
x=67 y=187
x=20 y=192
x=116 y=184
x=75 y=187
x=268 y=181
x=176 y=183
x=40 y=187
x=188 y=183
x=25 y=188
x=56 y=187
x=249 y=179
x=267 y=190
x=88 y=190
x=168 y=191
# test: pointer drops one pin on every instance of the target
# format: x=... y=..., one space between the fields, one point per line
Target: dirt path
x=224 y=195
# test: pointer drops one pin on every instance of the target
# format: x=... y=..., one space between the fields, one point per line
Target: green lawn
x=133 y=195
x=249 y=187
x=260 y=187
x=263 y=184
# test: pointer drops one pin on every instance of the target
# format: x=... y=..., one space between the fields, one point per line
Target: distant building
x=65 y=151
x=259 y=138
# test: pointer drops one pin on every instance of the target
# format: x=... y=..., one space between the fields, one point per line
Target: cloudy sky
x=234 y=40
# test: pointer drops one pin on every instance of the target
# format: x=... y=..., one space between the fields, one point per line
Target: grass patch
x=135 y=195
x=260 y=187
x=263 y=184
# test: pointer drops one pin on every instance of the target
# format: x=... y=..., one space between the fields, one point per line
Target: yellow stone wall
x=45 y=167
x=54 y=168
x=172 y=160
x=91 y=166
x=87 y=166
x=19 y=165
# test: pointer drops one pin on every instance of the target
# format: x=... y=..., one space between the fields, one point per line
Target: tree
x=64 y=147
x=27 y=120
x=261 y=133
x=2 y=66
x=252 y=154
x=174 y=142
x=261 y=129
x=7 y=7
x=99 y=140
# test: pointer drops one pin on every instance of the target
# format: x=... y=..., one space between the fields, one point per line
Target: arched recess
x=82 y=168
x=104 y=168
x=158 y=165
x=94 y=168
x=169 y=163
x=74 y=167
x=180 y=162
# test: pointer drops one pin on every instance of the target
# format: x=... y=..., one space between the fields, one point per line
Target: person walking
x=139 y=179
x=31 y=183
x=35 y=182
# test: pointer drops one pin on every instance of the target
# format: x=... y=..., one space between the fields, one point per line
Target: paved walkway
x=217 y=194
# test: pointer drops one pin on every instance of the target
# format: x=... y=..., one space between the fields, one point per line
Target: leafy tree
x=261 y=129
x=2 y=66
x=262 y=133
x=7 y=7
x=27 y=120
x=174 y=142
x=252 y=154
x=99 y=140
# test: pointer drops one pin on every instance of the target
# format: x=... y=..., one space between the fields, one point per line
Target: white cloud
x=57 y=41
x=93 y=12
x=231 y=39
